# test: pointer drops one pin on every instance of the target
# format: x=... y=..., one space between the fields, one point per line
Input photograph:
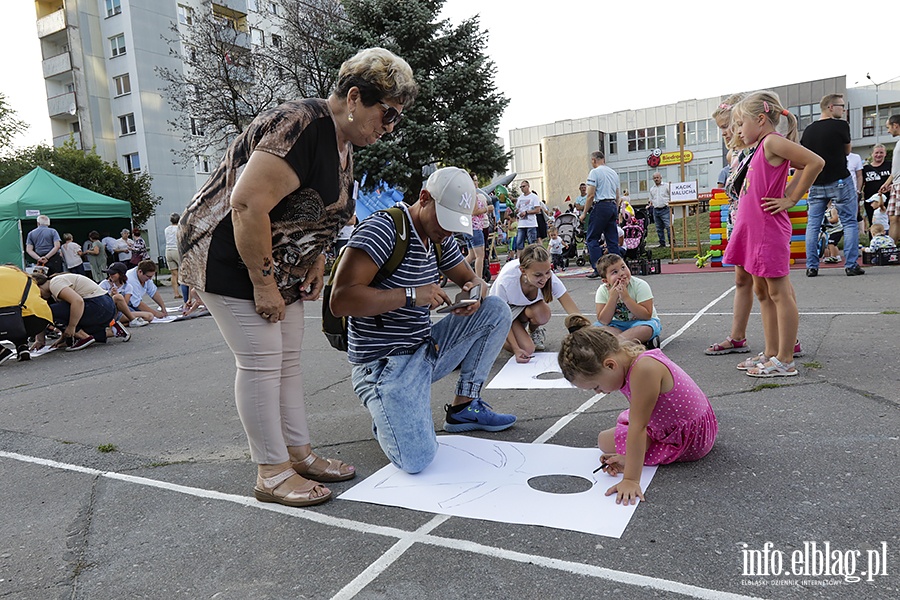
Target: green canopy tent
x=71 y=208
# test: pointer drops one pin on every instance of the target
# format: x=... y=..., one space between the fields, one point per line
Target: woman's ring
x=265 y=315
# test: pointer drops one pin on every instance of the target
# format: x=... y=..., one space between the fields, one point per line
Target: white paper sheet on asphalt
x=542 y=372
x=485 y=479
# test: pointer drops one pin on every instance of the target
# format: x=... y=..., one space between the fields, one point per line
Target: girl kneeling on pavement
x=529 y=285
x=81 y=307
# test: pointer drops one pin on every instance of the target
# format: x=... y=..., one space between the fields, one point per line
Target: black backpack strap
x=25 y=293
x=401 y=245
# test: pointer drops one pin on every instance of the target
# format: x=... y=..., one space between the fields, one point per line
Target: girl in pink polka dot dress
x=670 y=418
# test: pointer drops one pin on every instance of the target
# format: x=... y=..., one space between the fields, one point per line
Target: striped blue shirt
x=402 y=328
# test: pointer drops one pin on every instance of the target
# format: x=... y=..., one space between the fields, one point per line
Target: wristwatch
x=410 y=297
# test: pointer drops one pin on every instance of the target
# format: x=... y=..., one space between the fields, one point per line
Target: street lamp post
x=869 y=77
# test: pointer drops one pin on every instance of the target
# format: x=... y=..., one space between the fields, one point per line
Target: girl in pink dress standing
x=669 y=420
x=760 y=242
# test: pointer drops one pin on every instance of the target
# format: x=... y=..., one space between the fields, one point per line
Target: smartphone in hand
x=463 y=299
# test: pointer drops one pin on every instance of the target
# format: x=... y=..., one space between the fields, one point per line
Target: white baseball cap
x=454 y=198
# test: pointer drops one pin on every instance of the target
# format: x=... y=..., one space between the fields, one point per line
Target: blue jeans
x=397 y=389
x=661 y=220
x=523 y=234
x=653 y=324
x=843 y=193
x=602 y=222
x=95 y=318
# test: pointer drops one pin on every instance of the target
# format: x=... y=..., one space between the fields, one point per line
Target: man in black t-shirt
x=829 y=137
x=875 y=174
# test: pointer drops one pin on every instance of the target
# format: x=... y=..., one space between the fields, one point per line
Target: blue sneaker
x=477 y=414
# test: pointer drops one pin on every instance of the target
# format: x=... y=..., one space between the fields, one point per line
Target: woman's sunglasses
x=391 y=114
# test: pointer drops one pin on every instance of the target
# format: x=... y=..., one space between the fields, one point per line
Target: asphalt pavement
x=803 y=474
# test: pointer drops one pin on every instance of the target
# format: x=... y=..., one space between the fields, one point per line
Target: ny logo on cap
x=465 y=201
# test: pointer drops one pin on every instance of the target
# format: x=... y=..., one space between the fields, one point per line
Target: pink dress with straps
x=760 y=241
x=682 y=426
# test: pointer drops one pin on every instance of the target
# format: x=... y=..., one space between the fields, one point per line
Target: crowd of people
x=70 y=310
x=54 y=254
x=66 y=308
x=251 y=247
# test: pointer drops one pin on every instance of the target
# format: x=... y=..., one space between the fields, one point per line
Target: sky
x=576 y=58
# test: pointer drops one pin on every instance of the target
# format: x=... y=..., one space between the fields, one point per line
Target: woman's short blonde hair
x=379 y=74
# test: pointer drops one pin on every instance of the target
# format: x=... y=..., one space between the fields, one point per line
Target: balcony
x=63 y=104
x=57 y=65
x=62 y=139
x=52 y=23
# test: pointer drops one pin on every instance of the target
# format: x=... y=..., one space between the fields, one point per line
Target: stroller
x=636 y=235
x=571 y=230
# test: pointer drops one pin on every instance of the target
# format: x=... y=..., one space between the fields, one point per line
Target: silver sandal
x=749 y=363
x=775 y=368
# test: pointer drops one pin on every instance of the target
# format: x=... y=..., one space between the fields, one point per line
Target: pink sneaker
x=798 y=351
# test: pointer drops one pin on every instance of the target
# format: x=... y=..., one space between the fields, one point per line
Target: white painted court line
x=405 y=538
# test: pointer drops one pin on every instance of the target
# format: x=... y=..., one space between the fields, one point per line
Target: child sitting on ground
x=672 y=421
x=879 y=214
x=116 y=285
x=880 y=239
x=625 y=303
x=556 y=247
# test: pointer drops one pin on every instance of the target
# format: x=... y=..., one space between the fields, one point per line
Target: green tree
x=10 y=126
x=455 y=118
x=89 y=171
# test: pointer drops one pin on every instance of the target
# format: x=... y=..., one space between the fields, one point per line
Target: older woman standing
x=252 y=243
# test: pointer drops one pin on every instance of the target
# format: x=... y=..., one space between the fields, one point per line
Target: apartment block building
x=554 y=157
x=103 y=91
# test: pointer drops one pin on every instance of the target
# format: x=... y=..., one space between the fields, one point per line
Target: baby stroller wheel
x=579 y=261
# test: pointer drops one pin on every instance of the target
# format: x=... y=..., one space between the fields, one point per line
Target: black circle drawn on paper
x=560 y=484
x=549 y=375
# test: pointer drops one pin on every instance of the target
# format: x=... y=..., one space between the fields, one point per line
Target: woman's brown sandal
x=267 y=490
x=330 y=474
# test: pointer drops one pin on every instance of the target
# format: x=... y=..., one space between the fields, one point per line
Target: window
x=273 y=8
x=126 y=124
x=699 y=172
x=117 y=45
x=196 y=127
x=201 y=163
x=647 y=139
x=252 y=5
x=257 y=37
x=132 y=163
x=70 y=88
x=123 y=84
x=113 y=7
x=226 y=22
x=806 y=114
x=700 y=132
x=614 y=143
x=185 y=15
x=873 y=125
x=276 y=40
x=76 y=127
x=635 y=181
